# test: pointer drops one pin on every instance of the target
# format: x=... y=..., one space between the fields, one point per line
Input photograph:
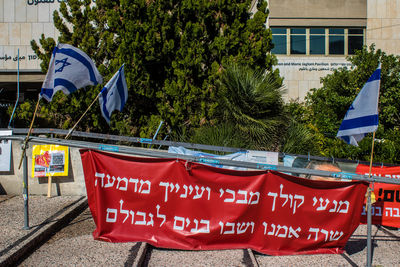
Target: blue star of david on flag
x=69 y=70
x=362 y=116
x=64 y=63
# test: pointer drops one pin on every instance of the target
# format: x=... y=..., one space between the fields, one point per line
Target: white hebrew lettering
x=121 y=202
x=186 y=191
x=335 y=236
x=209 y=192
x=111 y=219
x=190 y=189
x=180 y=219
x=344 y=210
x=221 y=191
x=172 y=187
x=122 y=188
x=177 y=188
x=143 y=214
x=252 y=226
x=388 y=209
x=241 y=228
x=242 y=201
x=315 y=201
x=233 y=195
x=99 y=175
x=273 y=229
x=232 y=231
x=265 y=227
x=145 y=191
x=132 y=215
x=197 y=192
x=151 y=222
x=135 y=182
x=222 y=226
x=284 y=234
x=313 y=230
x=321 y=207
x=108 y=184
x=273 y=195
x=283 y=195
x=166 y=190
x=207 y=229
x=160 y=215
x=294 y=232
x=297 y=197
x=326 y=233
x=187 y=222
x=194 y=230
x=257 y=194
x=291 y=202
x=379 y=213
x=334 y=209
x=397 y=212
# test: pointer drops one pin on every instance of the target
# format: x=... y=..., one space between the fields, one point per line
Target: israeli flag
x=114 y=94
x=69 y=70
x=362 y=116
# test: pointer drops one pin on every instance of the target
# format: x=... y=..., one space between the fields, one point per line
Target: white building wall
x=20 y=22
x=383 y=25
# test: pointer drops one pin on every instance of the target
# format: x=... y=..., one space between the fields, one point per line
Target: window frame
x=327 y=36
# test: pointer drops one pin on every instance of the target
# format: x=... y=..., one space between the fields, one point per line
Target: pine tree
x=174 y=53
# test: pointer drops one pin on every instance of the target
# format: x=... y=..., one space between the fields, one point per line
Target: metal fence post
x=25 y=193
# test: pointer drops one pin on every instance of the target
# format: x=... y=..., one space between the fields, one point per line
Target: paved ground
x=75 y=246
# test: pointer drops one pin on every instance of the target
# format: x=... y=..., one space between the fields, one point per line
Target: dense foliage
x=325 y=107
x=174 y=54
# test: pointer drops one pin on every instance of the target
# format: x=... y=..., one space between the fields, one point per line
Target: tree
x=328 y=105
x=174 y=52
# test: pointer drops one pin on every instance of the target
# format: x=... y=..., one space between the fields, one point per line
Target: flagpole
x=369 y=215
x=28 y=134
x=73 y=127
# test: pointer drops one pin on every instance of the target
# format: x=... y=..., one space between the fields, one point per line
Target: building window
x=298 y=41
x=279 y=39
x=356 y=40
x=336 y=41
x=317 y=41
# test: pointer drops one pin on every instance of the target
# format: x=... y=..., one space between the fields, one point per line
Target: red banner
x=386 y=209
x=173 y=203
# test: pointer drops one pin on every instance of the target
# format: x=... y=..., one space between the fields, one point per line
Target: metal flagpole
x=73 y=127
x=158 y=129
x=369 y=215
x=16 y=102
x=28 y=134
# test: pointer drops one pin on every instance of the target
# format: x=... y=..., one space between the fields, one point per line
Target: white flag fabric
x=362 y=116
x=114 y=94
x=69 y=70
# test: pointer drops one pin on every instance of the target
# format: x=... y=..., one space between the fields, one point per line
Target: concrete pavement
x=46 y=216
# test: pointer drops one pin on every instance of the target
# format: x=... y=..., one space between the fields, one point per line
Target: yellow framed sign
x=49 y=160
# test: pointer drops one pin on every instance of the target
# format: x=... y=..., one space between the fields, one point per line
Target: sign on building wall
x=49 y=160
x=5 y=152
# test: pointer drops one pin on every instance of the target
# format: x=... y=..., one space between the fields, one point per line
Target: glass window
x=336 y=31
x=279 y=39
x=298 y=41
x=355 y=31
x=279 y=42
x=336 y=41
x=317 y=41
x=355 y=43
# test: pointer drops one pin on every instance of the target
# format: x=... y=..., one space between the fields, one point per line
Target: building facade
x=311 y=37
x=314 y=37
